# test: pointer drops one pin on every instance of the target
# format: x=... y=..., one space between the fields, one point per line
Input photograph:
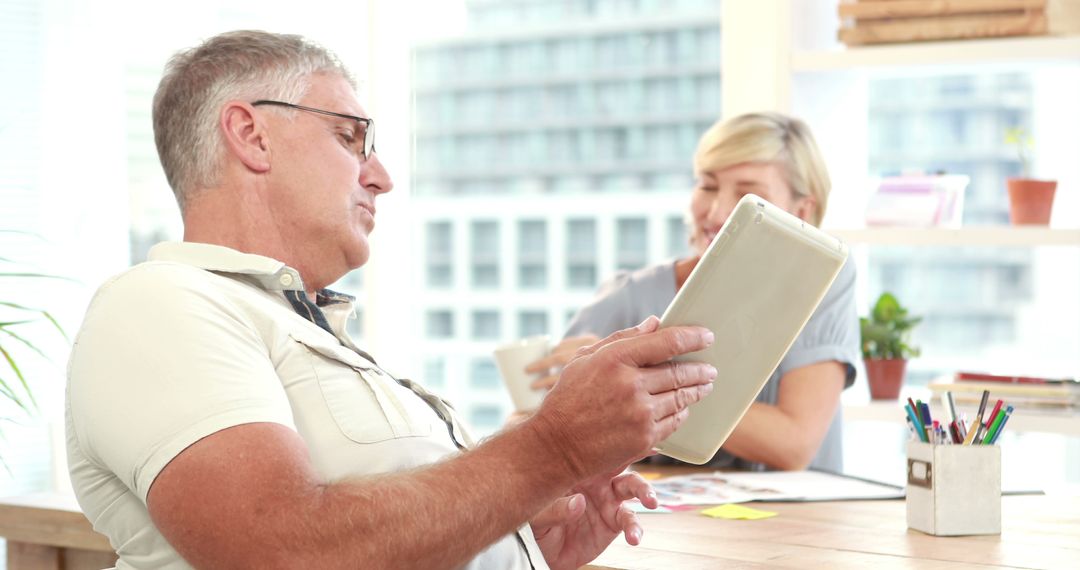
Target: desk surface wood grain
x=1037 y=532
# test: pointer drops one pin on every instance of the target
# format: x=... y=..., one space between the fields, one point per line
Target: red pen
x=993 y=414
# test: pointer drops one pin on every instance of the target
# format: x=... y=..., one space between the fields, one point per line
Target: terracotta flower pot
x=1030 y=201
x=885 y=376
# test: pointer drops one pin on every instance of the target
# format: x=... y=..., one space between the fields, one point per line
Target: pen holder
x=954 y=490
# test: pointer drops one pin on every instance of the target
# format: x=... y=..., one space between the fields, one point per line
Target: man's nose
x=374 y=177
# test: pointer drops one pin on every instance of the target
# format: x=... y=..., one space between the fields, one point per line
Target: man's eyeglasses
x=365 y=127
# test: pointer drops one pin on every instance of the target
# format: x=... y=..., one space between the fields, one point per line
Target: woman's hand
x=552 y=364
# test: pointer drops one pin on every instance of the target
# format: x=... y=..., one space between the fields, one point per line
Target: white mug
x=512 y=359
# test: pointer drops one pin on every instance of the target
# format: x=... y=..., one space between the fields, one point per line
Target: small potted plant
x=1030 y=200
x=885 y=346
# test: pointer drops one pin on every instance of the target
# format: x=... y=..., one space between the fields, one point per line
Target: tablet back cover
x=755 y=287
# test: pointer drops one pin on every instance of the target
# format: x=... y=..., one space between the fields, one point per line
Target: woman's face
x=718 y=191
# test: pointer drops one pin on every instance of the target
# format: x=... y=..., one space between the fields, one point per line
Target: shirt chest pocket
x=367 y=405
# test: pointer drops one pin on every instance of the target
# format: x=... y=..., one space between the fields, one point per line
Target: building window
x=485 y=254
x=485 y=325
x=440 y=324
x=677 y=237
x=435 y=372
x=354 y=326
x=632 y=238
x=532 y=323
x=484 y=374
x=581 y=254
x=532 y=254
x=486 y=417
x=440 y=253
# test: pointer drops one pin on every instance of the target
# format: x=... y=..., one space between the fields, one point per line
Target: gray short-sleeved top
x=831 y=334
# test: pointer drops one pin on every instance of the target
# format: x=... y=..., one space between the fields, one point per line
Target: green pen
x=994 y=427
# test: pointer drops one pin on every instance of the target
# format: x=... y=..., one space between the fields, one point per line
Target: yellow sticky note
x=732 y=511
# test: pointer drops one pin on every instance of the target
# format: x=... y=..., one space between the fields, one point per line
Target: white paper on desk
x=810 y=486
x=726 y=487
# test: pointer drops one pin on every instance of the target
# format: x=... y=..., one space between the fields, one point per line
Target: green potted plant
x=1030 y=200
x=885 y=346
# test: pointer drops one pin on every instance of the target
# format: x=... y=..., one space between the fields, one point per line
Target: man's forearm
x=434 y=517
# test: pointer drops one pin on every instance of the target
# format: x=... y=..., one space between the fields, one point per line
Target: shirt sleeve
x=832 y=333
x=160 y=363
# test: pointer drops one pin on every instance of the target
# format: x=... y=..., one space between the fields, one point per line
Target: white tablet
x=755 y=287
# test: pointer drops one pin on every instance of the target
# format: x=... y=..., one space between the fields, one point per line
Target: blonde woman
x=795 y=422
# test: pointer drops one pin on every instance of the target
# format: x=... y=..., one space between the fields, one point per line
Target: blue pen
x=1001 y=428
x=924 y=415
x=919 y=430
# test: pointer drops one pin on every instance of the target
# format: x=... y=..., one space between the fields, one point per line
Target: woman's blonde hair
x=768 y=137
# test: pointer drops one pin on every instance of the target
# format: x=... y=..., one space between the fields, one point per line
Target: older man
x=219 y=416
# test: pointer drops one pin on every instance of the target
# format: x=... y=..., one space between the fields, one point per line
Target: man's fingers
x=633 y=486
x=561 y=511
x=627 y=521
x=663 y=345
x=674 y=375
x=667 y=425
x=672 y=401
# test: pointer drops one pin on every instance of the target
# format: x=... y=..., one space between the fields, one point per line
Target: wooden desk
x=1037 y=532
x=48 y=531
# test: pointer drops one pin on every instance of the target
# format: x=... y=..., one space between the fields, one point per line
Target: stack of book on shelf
x=889 y=21
x=1023 y=392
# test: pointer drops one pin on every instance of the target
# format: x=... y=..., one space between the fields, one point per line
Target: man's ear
x=245 y=135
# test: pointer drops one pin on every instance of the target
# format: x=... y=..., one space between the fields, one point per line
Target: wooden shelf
x=959 y=52
x=1022 y=420
x=972 y=236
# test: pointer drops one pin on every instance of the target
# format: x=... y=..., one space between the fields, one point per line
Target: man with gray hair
x=218 y=415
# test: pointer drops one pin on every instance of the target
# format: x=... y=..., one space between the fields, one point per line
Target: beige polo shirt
x=201 y=338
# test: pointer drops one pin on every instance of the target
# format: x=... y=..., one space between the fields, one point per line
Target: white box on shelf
x=954 y=490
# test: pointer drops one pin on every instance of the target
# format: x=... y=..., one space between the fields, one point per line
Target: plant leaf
x=29 y=344
x=22 y=379
x=38 y=276
x=10 y=394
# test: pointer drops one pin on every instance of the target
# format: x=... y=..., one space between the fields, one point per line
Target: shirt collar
x=270 y=273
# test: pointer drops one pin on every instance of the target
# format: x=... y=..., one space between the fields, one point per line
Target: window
x=440 y=324
x=355 y=325
x=434 y=372
x=581 y=254
x=485 y=325
x=484 y=374
x=677 y=237
x=485 y=254
x=532 y=254
x=440 y=256
x=532 y=323
x=632 y=243
x=486 y=417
